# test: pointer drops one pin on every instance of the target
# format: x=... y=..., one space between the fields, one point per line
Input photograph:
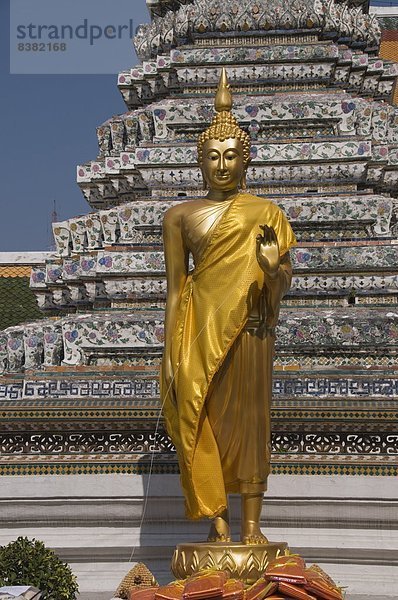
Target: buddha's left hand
x=267 y=251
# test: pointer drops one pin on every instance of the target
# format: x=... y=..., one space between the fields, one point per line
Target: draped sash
x=215 y=304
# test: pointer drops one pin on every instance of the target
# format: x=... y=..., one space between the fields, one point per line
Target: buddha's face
x=223 y=165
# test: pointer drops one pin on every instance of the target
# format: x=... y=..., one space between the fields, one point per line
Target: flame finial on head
x=223 y=99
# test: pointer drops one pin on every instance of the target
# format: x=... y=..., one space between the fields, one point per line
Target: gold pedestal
x=243 y=562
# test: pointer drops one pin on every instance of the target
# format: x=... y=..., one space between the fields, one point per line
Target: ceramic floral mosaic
x=122 y=171
x=254 y=55
x=316 y=99
x=85 y=336
x=258 y=15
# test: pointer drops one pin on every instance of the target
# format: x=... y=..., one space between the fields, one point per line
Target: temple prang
x=79 y=389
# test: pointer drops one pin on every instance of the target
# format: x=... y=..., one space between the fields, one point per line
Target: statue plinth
x=244 y=562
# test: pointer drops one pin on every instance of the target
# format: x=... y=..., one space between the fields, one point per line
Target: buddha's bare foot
x=219 y=531
x=251 y=534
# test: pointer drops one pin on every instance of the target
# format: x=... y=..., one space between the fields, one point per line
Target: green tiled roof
x=17 y=302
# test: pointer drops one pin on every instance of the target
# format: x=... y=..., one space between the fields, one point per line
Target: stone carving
x=212 y=16
x=122 y=176
x=85 y=337
x=62 y=238
x=15 y=349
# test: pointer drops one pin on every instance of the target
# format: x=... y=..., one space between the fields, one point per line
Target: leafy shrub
x=29 y=562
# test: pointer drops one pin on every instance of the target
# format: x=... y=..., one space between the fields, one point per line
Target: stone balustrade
x=257 y=17
x=114 y=275
x=350 y=115
x=138 y=338
x=278 y=64
x=139 y=222
x=343 y=256
x=354 y=142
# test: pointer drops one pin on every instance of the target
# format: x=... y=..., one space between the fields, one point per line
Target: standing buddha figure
x=220 y=323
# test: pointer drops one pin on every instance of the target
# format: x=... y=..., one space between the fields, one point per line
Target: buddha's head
x=224 y=148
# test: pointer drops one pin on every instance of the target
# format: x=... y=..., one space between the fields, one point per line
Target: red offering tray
x=287 y=568
x=143 y=593
x=294 y=591
x=321 y=586
x=261 y=589
x=233 y=590
x=172 y=591
x=322 y=573
x=205 y=585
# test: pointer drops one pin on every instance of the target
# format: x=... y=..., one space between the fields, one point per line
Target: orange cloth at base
x=205 y=585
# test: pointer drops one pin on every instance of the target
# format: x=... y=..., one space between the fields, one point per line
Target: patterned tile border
x=277 y=469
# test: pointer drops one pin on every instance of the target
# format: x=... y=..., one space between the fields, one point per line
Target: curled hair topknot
x=223 y=127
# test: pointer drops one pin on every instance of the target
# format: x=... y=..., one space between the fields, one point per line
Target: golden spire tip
x=223 y=100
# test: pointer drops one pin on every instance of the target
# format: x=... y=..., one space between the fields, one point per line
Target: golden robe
x=218 y=298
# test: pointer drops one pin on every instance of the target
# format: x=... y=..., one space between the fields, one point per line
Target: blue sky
x=48 y=127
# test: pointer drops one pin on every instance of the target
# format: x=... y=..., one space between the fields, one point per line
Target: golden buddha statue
x=220 y=330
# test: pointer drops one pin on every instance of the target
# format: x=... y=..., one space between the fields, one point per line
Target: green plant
x=29 y=562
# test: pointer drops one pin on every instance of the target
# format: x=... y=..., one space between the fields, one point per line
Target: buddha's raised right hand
x=267 y=251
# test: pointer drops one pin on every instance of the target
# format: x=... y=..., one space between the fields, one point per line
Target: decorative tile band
x=198 y=56
x=211 y=17
x=144 y=387
x=125 y=224
x=263 y=153
x=189 y=177
x=319 y=259
x=368 y=282
x=165 y=468
x=353 y=115
x=79 y=338
x=264 y=73
x=51 y=445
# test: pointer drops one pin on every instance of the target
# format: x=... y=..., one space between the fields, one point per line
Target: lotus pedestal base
x=241 y=561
